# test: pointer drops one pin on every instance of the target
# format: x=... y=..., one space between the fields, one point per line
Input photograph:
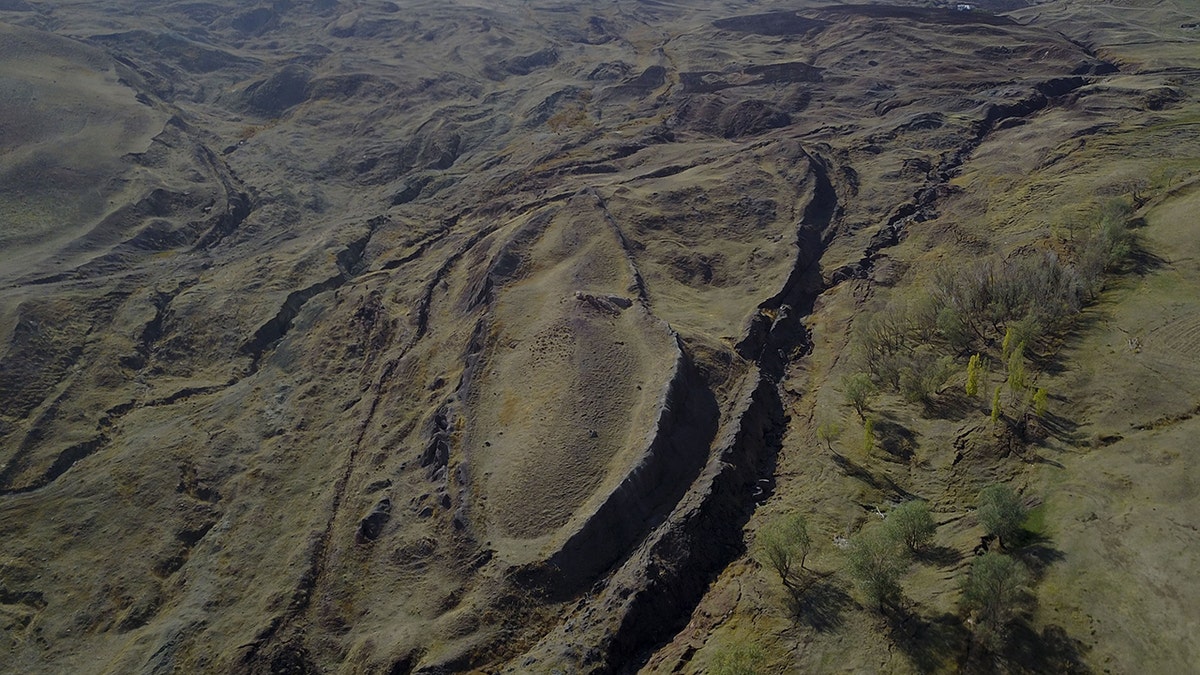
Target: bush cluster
x=1001 y=512
x=912 y=523
x=908 y=348
x=1103 y=242
x=1033 y=296
x=875 y=559
x=1007 y=305
x=880 y=553
x=993 y=592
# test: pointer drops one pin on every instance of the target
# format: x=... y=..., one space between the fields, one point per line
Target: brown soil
x=430 y=337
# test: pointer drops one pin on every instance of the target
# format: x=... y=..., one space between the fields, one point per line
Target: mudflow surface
x=430 y=337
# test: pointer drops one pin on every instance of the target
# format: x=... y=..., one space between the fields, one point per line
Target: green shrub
x=738 y=658
x=1113 y=227
x=954 y=329
x=828 y=432
x=1041 y=399
x=875 y=560
x=858 y=390
x=912 y=524
x=975 y=369
x=993 y=592
x=1000 y=511
x=1016 y=370
x=922 y=318
x=883 y=341
x=783 y=545
x=923 y=375
x=1029 y=329
x=1109 y=244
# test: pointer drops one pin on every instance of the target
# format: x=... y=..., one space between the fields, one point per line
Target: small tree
x=1000 y=511
x=912 y=523
x=993 y=591
x=858 y=389
x=975 y=369
x=1016 y=369
x=783 y=545
x=922 y=375
x=876 y=559
x=1041 y=399
x=828 y=432
x=868 y=436
x=955 y=329
x=1030 y=328
x=881 y=341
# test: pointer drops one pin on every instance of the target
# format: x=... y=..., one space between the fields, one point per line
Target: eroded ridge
x=430 y=337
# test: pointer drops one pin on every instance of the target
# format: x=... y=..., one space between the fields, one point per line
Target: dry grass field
x=432 y=337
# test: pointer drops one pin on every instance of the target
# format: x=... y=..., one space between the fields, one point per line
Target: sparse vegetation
x=912 y=524
x=251 y=130
x=569 y=118
x=992 y=592
x=1000 y=511
x=738 y=658
x=585 y=347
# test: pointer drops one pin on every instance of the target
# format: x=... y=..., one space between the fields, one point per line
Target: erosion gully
x=682 y=570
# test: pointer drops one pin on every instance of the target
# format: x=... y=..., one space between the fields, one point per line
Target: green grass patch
x=1035 y=521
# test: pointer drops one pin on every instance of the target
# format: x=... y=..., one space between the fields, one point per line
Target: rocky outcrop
x=286 y=88
x=649 y=597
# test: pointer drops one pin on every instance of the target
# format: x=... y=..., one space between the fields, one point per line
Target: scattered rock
x=609 y=304
x=1161 y=97
x=376 y=486
x=371 y=526
x=609 y=71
